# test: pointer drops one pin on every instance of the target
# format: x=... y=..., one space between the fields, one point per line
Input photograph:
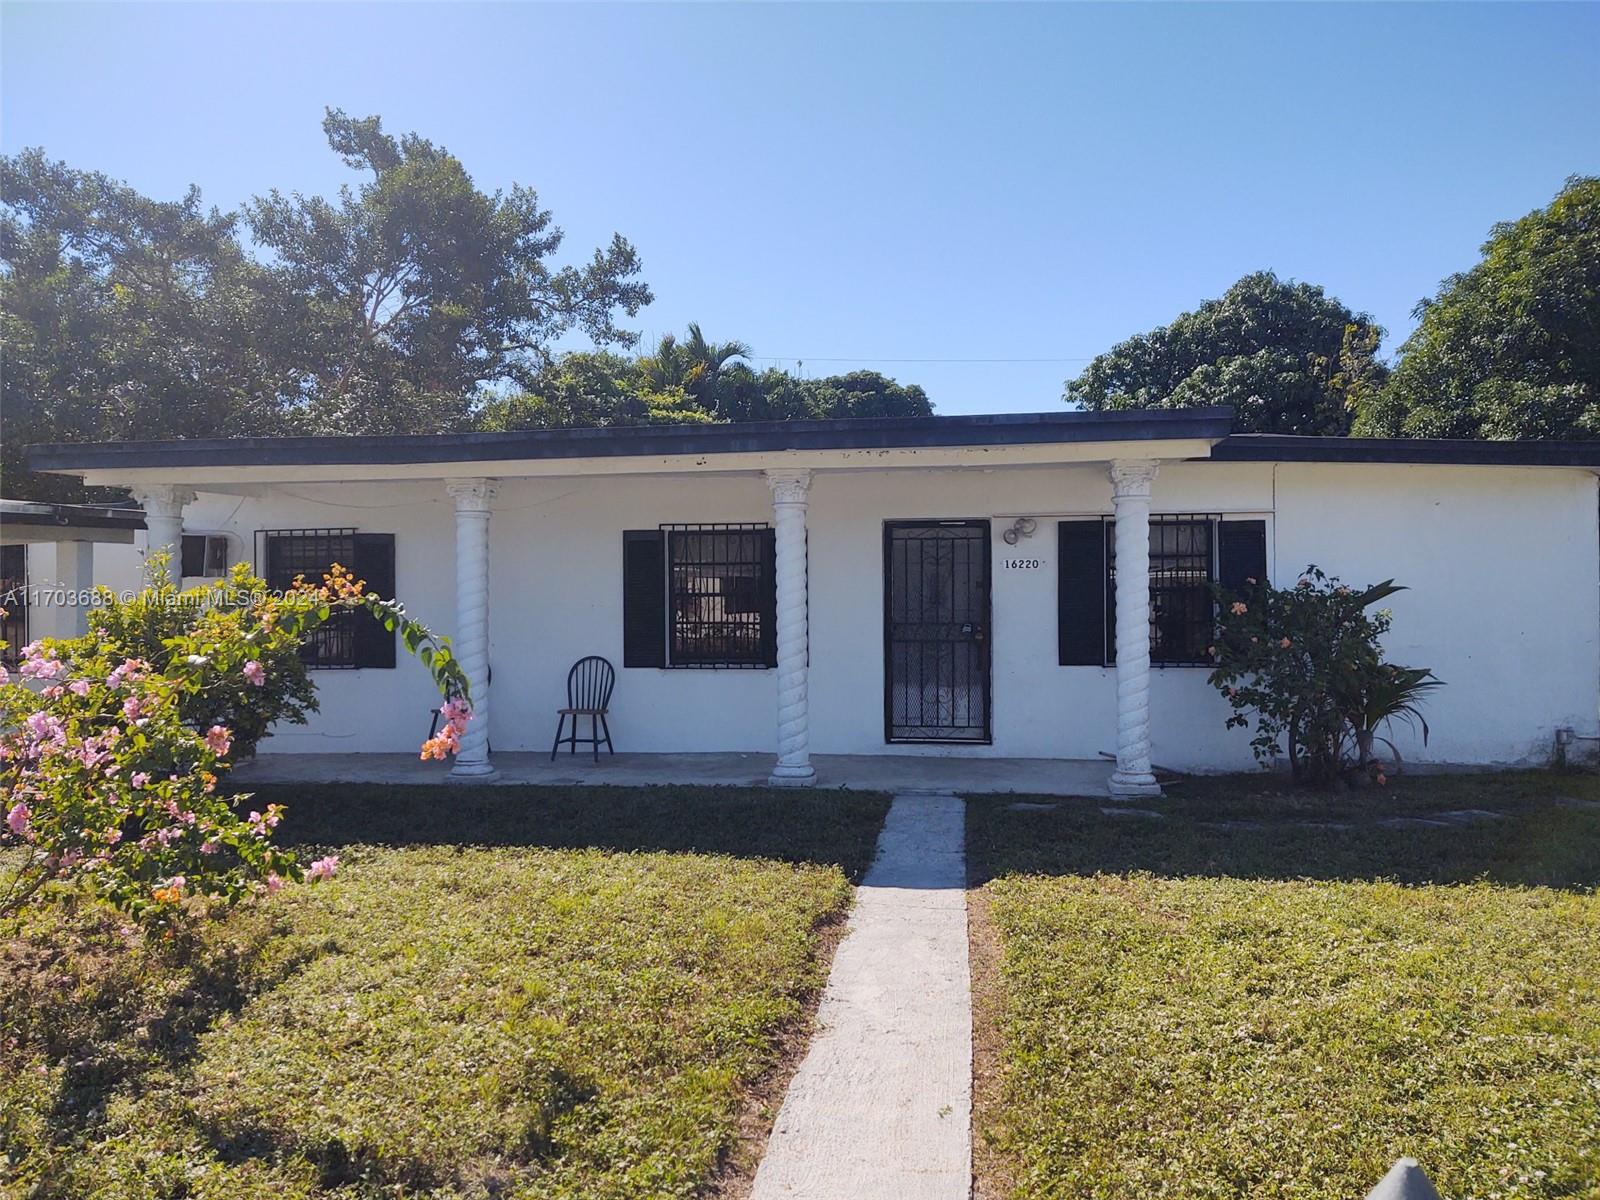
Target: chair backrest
x=589 y=683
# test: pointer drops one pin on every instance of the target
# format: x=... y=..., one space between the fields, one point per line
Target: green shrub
x=1306 y=663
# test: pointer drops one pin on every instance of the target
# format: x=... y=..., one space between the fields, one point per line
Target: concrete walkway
x=872 y=772
x=881 y=1107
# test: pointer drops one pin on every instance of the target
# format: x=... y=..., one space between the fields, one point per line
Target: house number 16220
x=1021 y=564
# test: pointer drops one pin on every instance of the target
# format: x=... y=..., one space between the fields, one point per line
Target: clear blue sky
x=855 y=185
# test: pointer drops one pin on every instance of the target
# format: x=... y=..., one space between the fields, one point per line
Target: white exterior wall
x=1503 y=563
x=117 y=565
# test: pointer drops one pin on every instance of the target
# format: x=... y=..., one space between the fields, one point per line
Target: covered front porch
x=863 y=772
x=797 y=644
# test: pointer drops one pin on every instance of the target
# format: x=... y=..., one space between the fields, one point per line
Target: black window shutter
x=1241 y=553
x=1081 y=593
x=192 y=559
x=769 y=597
x=644 y=598
x=374 y=555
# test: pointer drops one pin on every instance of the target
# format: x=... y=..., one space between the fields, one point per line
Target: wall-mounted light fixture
x=1022 y=527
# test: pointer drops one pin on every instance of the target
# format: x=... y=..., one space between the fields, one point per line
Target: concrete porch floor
x=870 y=772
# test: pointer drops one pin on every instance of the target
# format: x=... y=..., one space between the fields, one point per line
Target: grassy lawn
x=517 y=992
x=1172 y=1008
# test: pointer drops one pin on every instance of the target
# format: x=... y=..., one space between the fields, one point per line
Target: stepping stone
x=1469 y=816
x=1233 y=824
x=1122 y=810
x=1413 y=823
x=1032 y=806
x=1574 y=802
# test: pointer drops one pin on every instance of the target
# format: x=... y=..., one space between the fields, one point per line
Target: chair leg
x=606 y=725
x=556 y=745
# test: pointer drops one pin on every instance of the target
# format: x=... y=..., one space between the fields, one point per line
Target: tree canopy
x=413 y=302
x=1286 y=356
x=1510 y=348
x=390 y=310
x=691 y=380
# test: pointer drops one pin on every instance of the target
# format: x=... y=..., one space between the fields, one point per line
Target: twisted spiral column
x=163 y=520
x=471 y=643
x=789 y=492
x=1130 y=500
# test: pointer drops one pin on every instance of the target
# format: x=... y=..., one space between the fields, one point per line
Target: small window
x=1188 y=555
x=14 y=600
x=718 y=578
x=350 y=638
x=1182 y=570
x=205 y=555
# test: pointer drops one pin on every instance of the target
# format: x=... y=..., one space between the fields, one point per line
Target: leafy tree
x=416 y=289
x=778 y=395
x=867 y=394
x=1511 y=348
x=124 y=316
x=394 y=309
x=1286 y=356
x=589 y=389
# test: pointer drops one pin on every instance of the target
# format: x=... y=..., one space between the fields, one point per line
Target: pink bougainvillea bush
x=111 y=752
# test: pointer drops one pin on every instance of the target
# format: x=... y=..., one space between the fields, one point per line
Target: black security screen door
x=936 y=631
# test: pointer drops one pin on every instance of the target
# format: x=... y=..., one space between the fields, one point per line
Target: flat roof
x=70 y=516
x=1277 y=447
x=1204 y=425
x=619 y=441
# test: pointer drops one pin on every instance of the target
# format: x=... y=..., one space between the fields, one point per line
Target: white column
x=163 y=520
x=75 y=577
x=789 y=491
x=1130 y=497
x=471 y=643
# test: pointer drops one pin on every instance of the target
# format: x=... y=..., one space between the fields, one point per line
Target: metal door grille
x=936 y=631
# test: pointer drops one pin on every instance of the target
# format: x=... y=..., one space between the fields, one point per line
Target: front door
x=936 y=631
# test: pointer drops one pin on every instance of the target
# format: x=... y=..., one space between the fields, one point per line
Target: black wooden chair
x=589 y=685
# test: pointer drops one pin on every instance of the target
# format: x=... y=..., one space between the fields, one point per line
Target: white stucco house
x=1028 y=585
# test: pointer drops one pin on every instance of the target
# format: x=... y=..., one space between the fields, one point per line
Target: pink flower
x=5 y=675
x=210 y=846
x=133 y=708
x=79 y=687
x=1239 y=608
x=274 y=883
x=130 y=671
x=255 y=673
x=140 y=778
x=323 y=868
x=1285 y=643
x=17 y=818
x=46 y=728
x=219 y=739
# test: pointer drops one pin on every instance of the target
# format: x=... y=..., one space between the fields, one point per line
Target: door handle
x=972 y=632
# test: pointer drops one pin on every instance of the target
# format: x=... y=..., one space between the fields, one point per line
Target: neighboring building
x=52 y=556
x=854 y=587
